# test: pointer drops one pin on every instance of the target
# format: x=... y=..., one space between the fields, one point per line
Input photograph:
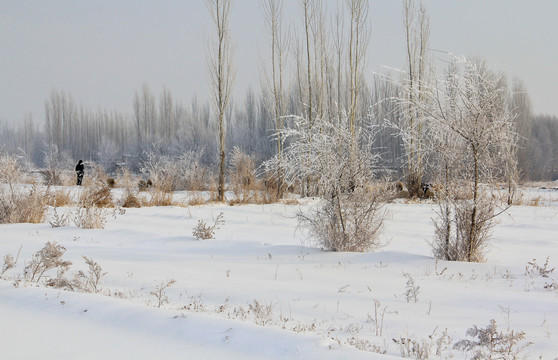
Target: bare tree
x=273 y=17
x=145 y=116
x=338 y=33
x=221 y=73
x=521 y=106
x=358 y=44
x=307 y=10
x=417 y=34
x=167 y=120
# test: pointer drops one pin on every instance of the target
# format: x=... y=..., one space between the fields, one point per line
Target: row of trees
x=315 y=73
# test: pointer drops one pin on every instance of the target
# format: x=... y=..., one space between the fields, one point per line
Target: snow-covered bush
x=544 y=270
x=108 y=153
x=347 y=222
x=334 y=160
x=130 y=198
x=90 y=217
x=171 y=173
x=56 y=164
x=162 y=172
x=194 y=176
x=411 y=289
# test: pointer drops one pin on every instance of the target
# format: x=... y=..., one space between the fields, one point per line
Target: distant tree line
x=108 y=137
x=316 y=72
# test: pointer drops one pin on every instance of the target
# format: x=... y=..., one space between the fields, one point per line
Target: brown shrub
x=97 y=194
x=403 y=194
x=131 y=201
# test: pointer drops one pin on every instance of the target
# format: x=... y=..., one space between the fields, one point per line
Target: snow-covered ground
x=260 y=290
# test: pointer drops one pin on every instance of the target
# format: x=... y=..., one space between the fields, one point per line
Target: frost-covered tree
x=472 y=132
x=56 y=162
x=107 y=154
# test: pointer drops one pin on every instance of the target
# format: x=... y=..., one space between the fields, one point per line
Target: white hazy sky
x=102 y=51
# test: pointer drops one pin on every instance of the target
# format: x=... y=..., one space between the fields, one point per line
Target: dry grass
x=246 y=187
x=28 y=207
x=535 y=202
x=532 y=194
x=125 y=179
x=254 y=196
x=290 y=201
x=196 y=198
x=160 y=197
x=60 y=198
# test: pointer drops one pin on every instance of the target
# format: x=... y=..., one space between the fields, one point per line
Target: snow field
x=260 y=270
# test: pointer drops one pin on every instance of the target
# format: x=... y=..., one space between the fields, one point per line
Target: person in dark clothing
x=80 y=170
